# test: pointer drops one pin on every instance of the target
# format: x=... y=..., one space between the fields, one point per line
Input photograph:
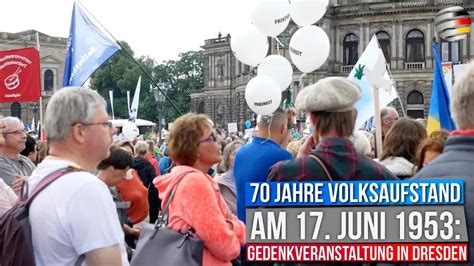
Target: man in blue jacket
x=253 y=160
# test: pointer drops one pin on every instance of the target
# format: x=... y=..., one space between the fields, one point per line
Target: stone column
x=237 y=69
x=428 y=41
x=367 y=35
x=361 y=39
x=211 y=70
x=393 y=46
x=464 y=46
x=401 y=55
x=338 y=45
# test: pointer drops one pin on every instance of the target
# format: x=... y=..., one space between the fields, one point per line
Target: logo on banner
x=19 y=75
x=13 y=81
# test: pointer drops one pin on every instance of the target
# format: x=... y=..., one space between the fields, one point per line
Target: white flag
x=111 y=96
x=33 y=125
x=136 y=99
x=128 y=103
x=371 y=58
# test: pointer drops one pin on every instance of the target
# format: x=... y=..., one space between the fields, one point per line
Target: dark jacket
x=340 y=158
x=147 y=173
x=456 y=162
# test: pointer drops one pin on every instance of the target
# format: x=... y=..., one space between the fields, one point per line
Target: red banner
x=20 y=75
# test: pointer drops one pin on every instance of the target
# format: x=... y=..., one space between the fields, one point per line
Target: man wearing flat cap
x=330 y=106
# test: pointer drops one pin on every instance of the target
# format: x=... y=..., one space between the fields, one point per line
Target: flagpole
x=136 y=62
x=378 y=123
x=41 y=93
x=395 y=87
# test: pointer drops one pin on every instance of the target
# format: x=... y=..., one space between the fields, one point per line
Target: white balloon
x=263 y=95
x=278 y=68
x=307 y=12
x=130 y=130
x=249 y=47
x=271 y=17
x=309 y=48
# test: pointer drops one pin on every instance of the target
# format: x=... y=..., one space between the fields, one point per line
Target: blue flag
x=87 y=49
x=440 y=115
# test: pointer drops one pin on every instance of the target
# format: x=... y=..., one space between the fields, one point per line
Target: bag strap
x=80 y=260
x=316 y=158
x=50 y=178
x=165 y=210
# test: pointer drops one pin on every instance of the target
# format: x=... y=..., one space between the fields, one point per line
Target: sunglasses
x=212 y=137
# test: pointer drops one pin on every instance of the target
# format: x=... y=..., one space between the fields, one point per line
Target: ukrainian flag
x=440 y=115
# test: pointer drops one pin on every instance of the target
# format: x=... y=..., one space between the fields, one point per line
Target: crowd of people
x=96 y=212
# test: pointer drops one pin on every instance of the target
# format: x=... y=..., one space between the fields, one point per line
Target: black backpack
x=16 y=246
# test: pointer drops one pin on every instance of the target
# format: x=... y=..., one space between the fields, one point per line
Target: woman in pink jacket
x=194 y=147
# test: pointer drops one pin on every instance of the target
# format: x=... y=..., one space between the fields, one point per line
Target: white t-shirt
x=72 y=216
x=7 y=197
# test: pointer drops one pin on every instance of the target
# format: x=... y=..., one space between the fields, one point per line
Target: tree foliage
x=177 y=78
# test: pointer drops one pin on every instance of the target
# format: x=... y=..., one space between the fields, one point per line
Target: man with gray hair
x=457 y=159
x=14 y=167
x=388 y=117
x=75 y=217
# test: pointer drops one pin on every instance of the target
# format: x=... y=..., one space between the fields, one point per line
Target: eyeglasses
x=212 y=137
x=105 y=124
x=16 y=132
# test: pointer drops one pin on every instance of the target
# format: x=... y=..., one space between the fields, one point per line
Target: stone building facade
x=52 y=52
x=405 y=30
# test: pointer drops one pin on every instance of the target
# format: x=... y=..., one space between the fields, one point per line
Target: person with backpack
x=147 y=173
x=74 y=218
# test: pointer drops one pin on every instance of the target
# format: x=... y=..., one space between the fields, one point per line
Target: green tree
x=176 y=78
x=120 y=74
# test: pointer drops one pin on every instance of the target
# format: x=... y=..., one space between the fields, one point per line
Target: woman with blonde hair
x=43 y=151
x=429 y=149
x=293 y=147
x=197 y=203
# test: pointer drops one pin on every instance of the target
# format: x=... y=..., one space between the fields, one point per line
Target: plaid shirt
x=340 y=158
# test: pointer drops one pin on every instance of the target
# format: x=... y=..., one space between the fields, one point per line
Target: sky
x=156 y=28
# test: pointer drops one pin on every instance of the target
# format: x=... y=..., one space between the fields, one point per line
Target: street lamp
x=34 y=107
x=159 y=99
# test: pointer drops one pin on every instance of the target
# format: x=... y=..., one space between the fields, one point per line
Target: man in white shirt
x=75 y=215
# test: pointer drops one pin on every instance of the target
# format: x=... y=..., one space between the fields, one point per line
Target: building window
x=415 y=105
x=351 y=46
x=15 y=109
x=48 y=80
x=450 y=51
x=201 y=107
x=415 y=46
x=384 y=41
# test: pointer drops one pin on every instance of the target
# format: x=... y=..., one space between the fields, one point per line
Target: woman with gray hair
x=226 y=180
